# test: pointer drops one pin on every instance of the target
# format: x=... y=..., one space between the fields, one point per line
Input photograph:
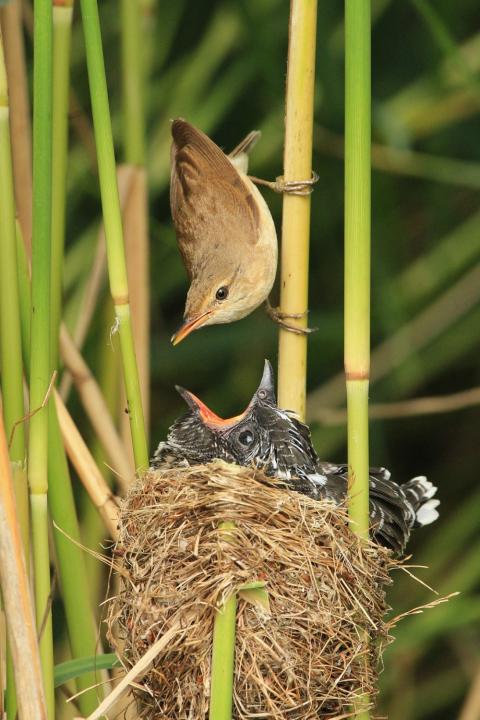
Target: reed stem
x=17 y=599
x=132 y=77
x=61 y=503
x=20 y=124
x=136 y=208
x=357 y=266
x=292 y=360
x=10 y=334
x=62 y=29
x=113 y=225
x=223 y=651
x=11 y=342
x=40 y=332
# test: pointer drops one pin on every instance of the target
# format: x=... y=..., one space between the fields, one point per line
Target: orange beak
x=188 y=327
x=208 y=416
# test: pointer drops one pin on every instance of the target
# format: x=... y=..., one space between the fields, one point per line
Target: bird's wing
x=205 y=186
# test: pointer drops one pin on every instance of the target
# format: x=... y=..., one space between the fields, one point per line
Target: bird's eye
x=222 y=293
x=262 y=394
x=246 y=438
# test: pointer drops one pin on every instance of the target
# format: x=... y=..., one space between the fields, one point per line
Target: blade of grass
x=357 y=269
x=40 y=333
x=113 y=225
x=71 y=669
x=292 y=347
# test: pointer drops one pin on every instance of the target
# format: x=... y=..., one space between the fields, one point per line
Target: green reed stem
x=74 y=583
x=113 y=225
x=40 y=331
x=10 y=334
x=62 y=30
x=357 y=263
x=132 y=77
x=11 y=342
x=71 y=560
x=223 y=652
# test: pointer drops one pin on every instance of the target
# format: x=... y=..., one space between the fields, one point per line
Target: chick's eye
x=246 y=438
x=222 y=293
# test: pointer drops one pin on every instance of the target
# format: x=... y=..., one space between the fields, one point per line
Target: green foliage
x=72 y=669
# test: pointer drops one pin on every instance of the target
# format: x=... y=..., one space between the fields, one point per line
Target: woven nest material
x=308 y=654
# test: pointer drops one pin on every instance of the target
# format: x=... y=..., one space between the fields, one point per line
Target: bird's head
x=224 y=291
x=242 y=438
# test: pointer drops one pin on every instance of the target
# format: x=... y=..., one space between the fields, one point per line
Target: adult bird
x=274 y=440
x=225 y=232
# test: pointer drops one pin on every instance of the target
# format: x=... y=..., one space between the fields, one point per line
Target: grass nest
x=306 y=653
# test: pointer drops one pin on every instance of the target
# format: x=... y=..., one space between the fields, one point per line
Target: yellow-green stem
x=292 y=360
x=10 y=336
x=113 y=225
x=132 y=77
x=358 y=461
x=43 y=613
x=11 y=368
x=71 y=559
x=40 y=331
x=223 y=652
x=357 y=267
x=62 y=27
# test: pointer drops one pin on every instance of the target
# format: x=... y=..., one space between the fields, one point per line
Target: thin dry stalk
x=87 y=469
x=471 y=707
x=96 y=408
x=135 y=674
x=428 y=324
x=135 y=229
x=20 y=125
x=433 y=405
x=88 y=306
x=17 y=599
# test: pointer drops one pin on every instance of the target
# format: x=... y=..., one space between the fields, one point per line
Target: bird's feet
x=291 y=187
x=280 y=318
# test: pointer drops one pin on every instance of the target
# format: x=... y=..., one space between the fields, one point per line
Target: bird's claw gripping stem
x=291 y=187
x=279 y=317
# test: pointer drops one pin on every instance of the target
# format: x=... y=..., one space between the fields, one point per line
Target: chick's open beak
x=208 y=416
x=188 y=326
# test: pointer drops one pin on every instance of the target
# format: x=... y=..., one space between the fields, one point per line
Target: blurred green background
x=221 y=64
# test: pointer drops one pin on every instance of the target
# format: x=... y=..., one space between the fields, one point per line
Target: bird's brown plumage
x=224 y=229
x=204 y=187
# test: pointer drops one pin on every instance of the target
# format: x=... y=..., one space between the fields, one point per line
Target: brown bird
x=225 y=231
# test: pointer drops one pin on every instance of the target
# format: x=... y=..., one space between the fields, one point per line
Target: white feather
x=427 y=513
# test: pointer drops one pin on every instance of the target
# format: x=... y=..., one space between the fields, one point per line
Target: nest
x=306 y=653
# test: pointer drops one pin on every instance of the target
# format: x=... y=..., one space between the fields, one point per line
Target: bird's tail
x=420 y=493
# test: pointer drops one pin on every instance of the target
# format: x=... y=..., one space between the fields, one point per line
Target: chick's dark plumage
x=276 y=441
